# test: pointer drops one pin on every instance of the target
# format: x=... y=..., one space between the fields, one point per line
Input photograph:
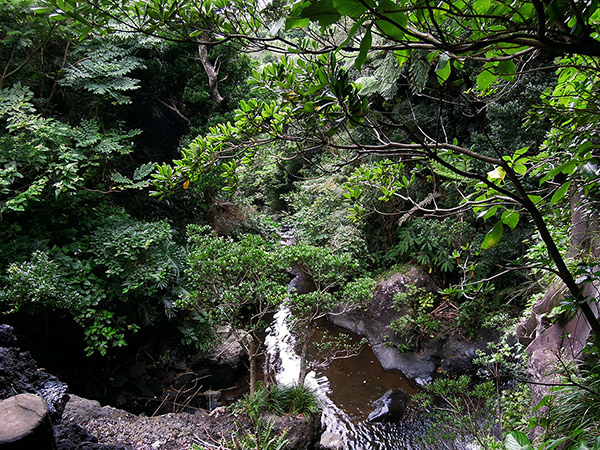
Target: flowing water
x=346 y=389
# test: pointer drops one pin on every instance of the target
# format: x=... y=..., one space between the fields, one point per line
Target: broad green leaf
x=507 y=70
x=560 y=193
x=296 y=22
x=351 y=8
x=402 y=56
x=490 y=212
x=517 y=441
x=493 y=236
x=395 y=20
x=510 y=218
x=482 y=6
x=520 y=169
x=321 y=11
x=567 y=168
x=443 y=68
x=485 y=79
x=365 y=46
x=535 y=199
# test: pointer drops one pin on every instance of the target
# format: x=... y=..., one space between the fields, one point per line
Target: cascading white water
x=356 y=434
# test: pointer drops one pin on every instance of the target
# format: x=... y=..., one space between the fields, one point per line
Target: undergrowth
x=277 y=399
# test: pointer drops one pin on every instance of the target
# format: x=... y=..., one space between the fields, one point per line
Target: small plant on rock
x=417 y=323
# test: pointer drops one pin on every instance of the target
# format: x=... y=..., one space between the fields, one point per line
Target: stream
x=346 y=389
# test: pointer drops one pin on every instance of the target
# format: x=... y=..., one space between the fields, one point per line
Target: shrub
x=279 y=400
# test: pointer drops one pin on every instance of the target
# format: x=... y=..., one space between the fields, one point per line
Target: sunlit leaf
x=492 y=237
x=485 y=79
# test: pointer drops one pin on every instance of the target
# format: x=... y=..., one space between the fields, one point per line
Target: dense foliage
x=457 y=136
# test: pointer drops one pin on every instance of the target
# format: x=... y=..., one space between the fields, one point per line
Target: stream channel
x=346 y=389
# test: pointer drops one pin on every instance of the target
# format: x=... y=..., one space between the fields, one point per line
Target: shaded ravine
x=346 y=390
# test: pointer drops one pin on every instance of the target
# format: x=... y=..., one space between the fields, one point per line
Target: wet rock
x=458 y=354
x=302 y=282
x=447 y=351
x=19 y=374
x=7 y=336
x=391 y=407
x=302 y=433
x=25 y=423
x=331 y=441
x=220 y=367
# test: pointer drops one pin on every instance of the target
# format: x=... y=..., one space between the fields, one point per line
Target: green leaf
x=520 y=169
x=482 y=6
x=365 y=46
x=485 y=79
x=497 y=174
x=517 y=441
x=321 y=11
x=507 y=70
x=443 y=68
x=560 y=193
x=567 y=168
x=493 y=236
x=296 y=22
x=395 y=20
x=350 y=8
x=510 y=218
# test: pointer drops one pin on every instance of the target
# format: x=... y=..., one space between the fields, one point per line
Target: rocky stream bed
x=176 y=401
x=80 y=423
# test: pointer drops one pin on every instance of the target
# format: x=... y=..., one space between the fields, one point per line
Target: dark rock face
x=391 y=407
x=302 y=433
x=7 y=336
x=19 y=374
x=74 y=437
x=447 y=351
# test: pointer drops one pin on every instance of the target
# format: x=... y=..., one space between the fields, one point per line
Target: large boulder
x=25 y=423
x=19 y=374
x=550 y=343
x=447 y=351
x=391 y=407
x=302 y=433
